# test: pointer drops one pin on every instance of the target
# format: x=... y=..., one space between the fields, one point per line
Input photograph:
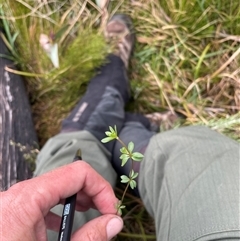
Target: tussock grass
x=186 y=60
x=81 y=47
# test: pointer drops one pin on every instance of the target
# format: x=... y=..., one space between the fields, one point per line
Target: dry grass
x=188 y=63
x=70 y=24
x=138 y=225
x=193 y=70
x=186 y=60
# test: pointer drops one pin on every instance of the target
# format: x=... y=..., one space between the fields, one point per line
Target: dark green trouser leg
x=189 y=182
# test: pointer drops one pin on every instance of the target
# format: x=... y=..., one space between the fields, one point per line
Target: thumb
x=103 y=228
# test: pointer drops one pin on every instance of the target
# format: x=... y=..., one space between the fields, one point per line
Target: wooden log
x=16 y=126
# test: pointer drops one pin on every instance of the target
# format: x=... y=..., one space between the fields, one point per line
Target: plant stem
x=124 y=193
x=123 y=144
x=138 y=236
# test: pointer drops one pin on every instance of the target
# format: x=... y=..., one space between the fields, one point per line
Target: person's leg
x=139 y=129
x=189 y=182
x=16 y=126
x=108 y=92
x=102 y=106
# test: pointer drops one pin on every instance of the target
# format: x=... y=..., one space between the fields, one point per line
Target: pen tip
x=79 y=153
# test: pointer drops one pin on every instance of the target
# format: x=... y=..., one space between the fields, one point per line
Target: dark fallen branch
x=16 y=126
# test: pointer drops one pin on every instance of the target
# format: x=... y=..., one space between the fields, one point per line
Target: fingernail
x=114 y=226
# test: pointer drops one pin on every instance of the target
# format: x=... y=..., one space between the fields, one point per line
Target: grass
x=186 y=59
x=53 y=92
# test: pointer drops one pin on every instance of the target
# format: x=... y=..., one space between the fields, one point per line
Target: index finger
x=47 y=190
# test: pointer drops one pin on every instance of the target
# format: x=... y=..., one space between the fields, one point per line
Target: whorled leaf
x=119 y=209
x=130 y=146
x=124 y=158
x=111 y=129
x=133 y=184
x=124 y=150
x=107 y=139
x=137 y=156
x=111 y=135
x=108 y=133
x=125 y=179
x=133 y=174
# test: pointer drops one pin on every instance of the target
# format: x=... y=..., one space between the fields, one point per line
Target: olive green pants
x=189 y=180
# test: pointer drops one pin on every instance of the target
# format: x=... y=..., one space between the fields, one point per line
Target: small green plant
x=127 y=153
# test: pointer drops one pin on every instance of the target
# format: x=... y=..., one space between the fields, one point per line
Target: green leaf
x=133 y=174
x=130 y=146
x=108 y=133
x=137 y=156
x=124 y=150
x=111 y=129
x=12 y=41
x=61 y=32
x=125 y=179
x=124 y=158
x=107 y=139
x=133 y=184
x=119 y=209
x=111 y=135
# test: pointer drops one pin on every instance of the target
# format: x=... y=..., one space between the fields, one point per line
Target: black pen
x=68 y=212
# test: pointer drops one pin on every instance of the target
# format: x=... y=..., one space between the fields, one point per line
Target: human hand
x=25 y=206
